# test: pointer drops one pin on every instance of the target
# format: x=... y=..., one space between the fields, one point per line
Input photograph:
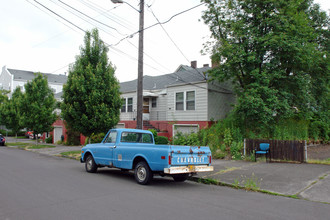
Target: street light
x=139 y=121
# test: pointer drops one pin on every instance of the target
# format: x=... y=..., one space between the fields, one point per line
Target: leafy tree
x=10 y=112
x=3 y=98
x=275 y=52
x=38 y=105
x=3 y=95
x=91 y=99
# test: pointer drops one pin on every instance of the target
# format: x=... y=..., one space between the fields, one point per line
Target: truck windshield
x=132 y=137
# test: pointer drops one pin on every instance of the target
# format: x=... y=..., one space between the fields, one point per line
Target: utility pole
x=139 y=117
x=139 y=93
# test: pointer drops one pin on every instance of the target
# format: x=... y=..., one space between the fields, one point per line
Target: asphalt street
x=37 y=186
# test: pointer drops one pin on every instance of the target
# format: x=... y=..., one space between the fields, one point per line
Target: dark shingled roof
x=183 y=76
x=28 y=75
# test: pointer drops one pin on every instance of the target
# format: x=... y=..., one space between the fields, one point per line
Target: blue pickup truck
x=133 y=149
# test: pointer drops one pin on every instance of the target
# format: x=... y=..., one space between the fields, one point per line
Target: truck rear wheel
x=90 y=164
x=180 y=177
x=142 y=173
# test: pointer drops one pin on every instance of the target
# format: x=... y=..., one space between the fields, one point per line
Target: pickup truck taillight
x=169 y=160
x=210 y=159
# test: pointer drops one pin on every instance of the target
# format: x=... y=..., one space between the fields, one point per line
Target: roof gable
x=28 y=75
x=181 y=76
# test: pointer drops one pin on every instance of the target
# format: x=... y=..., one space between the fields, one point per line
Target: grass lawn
x=40 y=146
x=72 y=154
x=326 y=161
x=16 y=143
x=19 y=144
x=30 y=145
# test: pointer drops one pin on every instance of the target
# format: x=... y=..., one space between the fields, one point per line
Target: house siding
x=200 y=112
x=19 y=83
x=159 y=113
x=128 y=116
x=6 y=79
x=221 y=101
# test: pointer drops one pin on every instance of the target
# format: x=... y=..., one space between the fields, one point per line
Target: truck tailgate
x=189 y=159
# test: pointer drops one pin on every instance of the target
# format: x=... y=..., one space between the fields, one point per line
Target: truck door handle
x=113 y=147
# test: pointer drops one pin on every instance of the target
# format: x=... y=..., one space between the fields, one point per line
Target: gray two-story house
x=183 y=101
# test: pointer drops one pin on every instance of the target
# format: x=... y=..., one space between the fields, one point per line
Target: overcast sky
x=33 y=38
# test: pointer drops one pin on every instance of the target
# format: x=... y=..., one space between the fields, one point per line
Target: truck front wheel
x=142 y=173
x=90 y=164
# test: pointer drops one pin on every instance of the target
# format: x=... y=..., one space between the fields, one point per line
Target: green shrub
x=2 y=131
x=97 y=138
x=154 y=132
x=73 y=137
x=291 y=129
x=236 y=150
x=161 y=140
x=319 y=130
x=49 y=140
x=186 y=139
x=11 y=133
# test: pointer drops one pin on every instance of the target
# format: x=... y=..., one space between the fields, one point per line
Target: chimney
x=193 y=64
x=206 y=65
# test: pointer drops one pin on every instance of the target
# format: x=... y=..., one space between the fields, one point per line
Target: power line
x=43 y=10
x=159 y=23
x=90 y=17
x=59 y=15
x=114 y=18
x=149 y=56
x=86 y=20
x=177 y=47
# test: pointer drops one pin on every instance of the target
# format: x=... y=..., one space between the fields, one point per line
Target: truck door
x=107 y=148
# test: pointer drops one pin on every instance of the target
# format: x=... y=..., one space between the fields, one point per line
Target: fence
x=280 y=150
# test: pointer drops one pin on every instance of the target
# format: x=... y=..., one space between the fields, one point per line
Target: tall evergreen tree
x=91 y=99
x=274 y=51
x=38 y=105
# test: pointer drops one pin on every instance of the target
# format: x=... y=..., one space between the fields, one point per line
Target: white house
x=12 y=78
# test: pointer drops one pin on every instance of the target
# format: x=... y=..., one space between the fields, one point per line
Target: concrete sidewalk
x=58 y=149
x=307 y=181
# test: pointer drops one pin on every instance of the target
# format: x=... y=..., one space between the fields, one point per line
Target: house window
x=185 y=100
x=190 y=100
x=154 y=102
x=179 y=101
x=123 y=106
x=129 y=104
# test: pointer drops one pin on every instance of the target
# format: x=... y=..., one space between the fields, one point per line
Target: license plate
x=191 y=168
